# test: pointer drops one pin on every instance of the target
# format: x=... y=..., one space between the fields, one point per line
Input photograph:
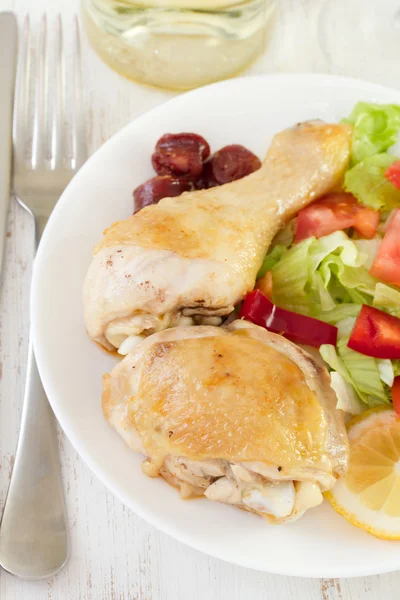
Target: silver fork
x=34 y=532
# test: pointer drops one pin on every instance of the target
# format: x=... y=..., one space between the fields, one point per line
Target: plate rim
x=153 y=519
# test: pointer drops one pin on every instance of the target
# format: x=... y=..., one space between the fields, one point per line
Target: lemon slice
x=369 y=495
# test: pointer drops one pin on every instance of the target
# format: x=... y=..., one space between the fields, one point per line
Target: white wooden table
x=115 y=555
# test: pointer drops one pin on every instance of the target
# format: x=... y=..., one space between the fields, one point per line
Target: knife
x=8 y=60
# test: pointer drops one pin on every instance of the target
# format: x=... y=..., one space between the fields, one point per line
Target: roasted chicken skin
x=238 y=414
x=199 y=254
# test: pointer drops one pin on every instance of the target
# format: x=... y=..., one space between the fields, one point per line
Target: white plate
x=247 y=111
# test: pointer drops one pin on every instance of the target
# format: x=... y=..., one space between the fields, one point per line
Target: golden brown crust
x=195 y=224
x=201 y=252
x=245 y=402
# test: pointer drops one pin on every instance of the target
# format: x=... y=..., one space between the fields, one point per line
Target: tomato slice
x=396 y=394
x=258 y=309
x=393 y=174
x=334 y=212
x=376 y=333
x=386 y=265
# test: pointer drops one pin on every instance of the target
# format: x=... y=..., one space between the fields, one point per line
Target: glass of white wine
x=178 y=44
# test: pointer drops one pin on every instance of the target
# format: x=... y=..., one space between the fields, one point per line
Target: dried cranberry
x=233 y=162
x=180 y=154
x=153 y=190
x=206 y=179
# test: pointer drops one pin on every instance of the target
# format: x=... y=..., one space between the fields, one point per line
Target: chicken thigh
x=199 y=254
x=238 y=414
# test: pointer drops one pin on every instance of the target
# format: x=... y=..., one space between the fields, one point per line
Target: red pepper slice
x=376 y=334
x=396 y=394
x=301 y=329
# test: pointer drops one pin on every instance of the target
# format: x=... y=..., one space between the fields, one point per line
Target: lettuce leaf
x=330 y=356
x=367 y=182
x=341 y=312
x=369 y=248
x=365 y=379
x=345 y=327
x=271 y=259
x=359 y=370
x=386 y=370
x=319 y=293
x=375 y=129
x=339 y=243
x=364 y=374
x=347 y=398
x=387 y=298
x=341 y=383
x=356 y=281
x=313 y=277
x=327 y=278
x=289 y=279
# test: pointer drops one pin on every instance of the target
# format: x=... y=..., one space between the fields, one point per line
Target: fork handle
x=34 y=533
x=8 y=54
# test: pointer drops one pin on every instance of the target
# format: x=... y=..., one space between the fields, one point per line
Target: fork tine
x=79 y=150
x=20 y=120
x=39 y=181
x=41 y=95
x=58 y=112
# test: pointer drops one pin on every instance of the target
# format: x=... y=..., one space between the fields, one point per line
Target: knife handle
x=8 y=61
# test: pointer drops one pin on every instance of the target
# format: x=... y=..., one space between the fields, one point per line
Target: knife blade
x=8 y=61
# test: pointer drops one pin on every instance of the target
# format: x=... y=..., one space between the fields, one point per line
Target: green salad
x=341 y=255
